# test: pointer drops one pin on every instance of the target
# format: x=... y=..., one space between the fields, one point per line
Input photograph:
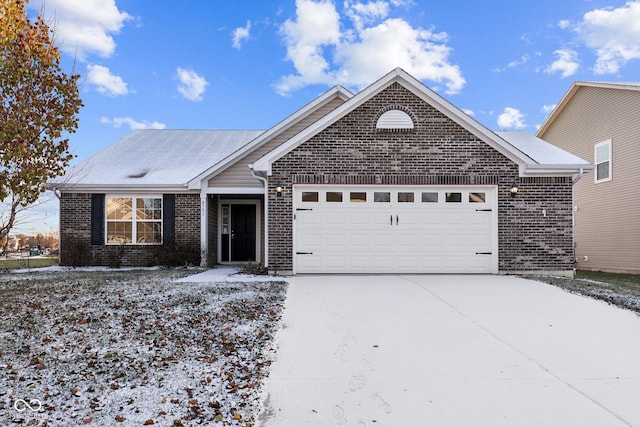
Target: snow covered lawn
x=134 y=348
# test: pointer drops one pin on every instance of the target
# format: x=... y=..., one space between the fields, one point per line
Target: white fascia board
x=92 y=188
x=235 y=190
x=554 y=170
x=419 y=89
x=198 y=181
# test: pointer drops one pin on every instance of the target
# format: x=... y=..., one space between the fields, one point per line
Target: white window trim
x=595 y=161
x=134 y=221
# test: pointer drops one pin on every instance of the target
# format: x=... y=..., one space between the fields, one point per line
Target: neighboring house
x=600 y=122
x=394 y=179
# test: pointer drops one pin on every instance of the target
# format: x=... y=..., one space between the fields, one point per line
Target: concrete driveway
x=414 y=350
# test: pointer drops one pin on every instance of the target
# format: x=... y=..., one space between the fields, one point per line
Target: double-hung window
x=134 y=220
x=602 y=161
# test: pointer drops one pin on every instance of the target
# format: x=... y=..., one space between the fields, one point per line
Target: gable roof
x=154 y=158
x=524 y=155
x=182 y=160
x=196 y=181
x=575 y=87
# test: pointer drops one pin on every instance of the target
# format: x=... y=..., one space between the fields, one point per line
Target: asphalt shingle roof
x=157 y=157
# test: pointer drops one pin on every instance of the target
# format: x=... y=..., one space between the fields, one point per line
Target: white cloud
x=84 y=26
x=240 y=34
x=317 y=26
x=513 y=64
x=366 y=13
x=548 y=108
x=564 y=24
x=614 y=34
x=118 y=122
x=192 y=86
x=468 y=112
x=106 y=82
x=567 y=63
x=511 y=118
x=322 y=53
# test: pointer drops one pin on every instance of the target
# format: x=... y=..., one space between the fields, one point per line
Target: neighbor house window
x=134 y=220
x=603 y=161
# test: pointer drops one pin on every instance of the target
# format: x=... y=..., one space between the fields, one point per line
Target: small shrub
x=172 y=255
x=254 y=268
x=114 y=259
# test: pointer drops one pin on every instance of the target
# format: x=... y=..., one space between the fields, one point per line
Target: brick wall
x=437 y=151
x=75 y=235
x=535 y=229
x=187 y=219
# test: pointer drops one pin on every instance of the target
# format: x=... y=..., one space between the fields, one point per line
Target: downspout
x=266 y=212
x=573 y=217
x=577 y=178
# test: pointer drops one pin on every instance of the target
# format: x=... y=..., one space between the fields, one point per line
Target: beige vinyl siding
x=607 y=219
x=239 y=175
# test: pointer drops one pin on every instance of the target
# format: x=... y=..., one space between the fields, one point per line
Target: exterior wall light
x=514 y=190
x=279 y=190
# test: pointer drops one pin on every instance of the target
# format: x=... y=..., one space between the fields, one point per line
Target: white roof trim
x=418 y=88
x=554 y=170
x=235 y=190
x=337 y=91
x=128 y=188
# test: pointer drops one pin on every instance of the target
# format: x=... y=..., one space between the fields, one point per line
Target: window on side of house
x=134 y=220
x=602 y=156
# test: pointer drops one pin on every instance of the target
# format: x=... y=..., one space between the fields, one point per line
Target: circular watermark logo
x=21 y=405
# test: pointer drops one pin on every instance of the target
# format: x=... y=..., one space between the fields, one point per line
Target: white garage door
x=408 y=229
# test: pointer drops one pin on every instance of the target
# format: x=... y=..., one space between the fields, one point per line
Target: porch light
x=514 y=190
x=279 y=191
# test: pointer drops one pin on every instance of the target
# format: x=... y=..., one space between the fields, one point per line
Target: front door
x=243 y=232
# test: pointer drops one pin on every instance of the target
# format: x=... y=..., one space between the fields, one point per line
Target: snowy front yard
x=133 y=348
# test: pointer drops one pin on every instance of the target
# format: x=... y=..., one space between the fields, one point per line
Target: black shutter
x=168 y=218
x=97 y=219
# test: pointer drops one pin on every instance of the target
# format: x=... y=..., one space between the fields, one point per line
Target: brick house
x=391 y=179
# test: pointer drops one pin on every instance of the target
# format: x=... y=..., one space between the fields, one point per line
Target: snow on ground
x=134 y=347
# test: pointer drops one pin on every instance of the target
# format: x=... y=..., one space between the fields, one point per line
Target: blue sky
x=248 y=64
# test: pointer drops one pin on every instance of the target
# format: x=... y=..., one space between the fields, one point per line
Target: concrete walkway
x=451 y=351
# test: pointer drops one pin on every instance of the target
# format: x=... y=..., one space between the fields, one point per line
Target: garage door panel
x=334 y=262
x=457 y=218
x=334 y=241
x=309 y=263
x=430 y=236
x=310 y=240
x=309 y=218
x=333 y=218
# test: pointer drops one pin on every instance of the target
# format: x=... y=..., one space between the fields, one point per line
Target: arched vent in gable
x=395 y=120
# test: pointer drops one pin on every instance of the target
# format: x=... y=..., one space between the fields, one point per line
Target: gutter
x=554 y=170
